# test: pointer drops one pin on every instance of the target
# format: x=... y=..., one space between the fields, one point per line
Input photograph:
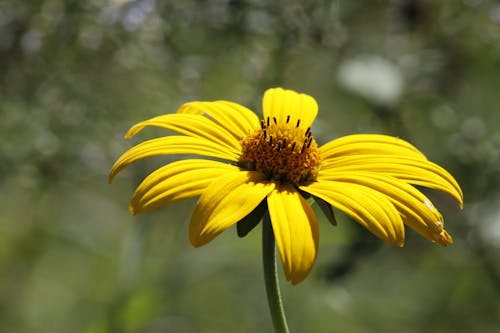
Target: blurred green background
x=76 y=74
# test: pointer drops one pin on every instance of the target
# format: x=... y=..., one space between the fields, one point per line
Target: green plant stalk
x=271 y=277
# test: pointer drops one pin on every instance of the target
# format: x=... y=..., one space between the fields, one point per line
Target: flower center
x=283 y=152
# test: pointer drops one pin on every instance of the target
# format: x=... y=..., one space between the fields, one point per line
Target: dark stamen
x=284 y=143
x=270 y=140
x=298 y=123
x=267 y=121
x=308 y=132
x=293 y=146
x=287 y=119
x=262 y=124
x=265 y=134
x=275 y=121
x=309 y=142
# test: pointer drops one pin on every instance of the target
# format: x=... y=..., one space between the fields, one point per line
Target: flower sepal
x=327 y=210
x=249 y=222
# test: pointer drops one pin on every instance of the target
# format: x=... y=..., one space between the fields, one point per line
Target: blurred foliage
x=77 y=74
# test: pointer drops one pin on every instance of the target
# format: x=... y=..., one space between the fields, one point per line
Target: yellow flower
x=275 y=164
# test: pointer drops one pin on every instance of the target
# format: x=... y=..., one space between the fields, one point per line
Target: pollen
x=283 y=152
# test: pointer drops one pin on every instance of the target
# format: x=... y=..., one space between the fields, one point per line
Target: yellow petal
x=172 y=145
x=295 y=230
x=280 y=103
x=371 y=209
x=375 y=144
x=191 y=125
x=412 y=170
x=176 y=181
x=226 y=201
x=416 y=209
x=233 y=117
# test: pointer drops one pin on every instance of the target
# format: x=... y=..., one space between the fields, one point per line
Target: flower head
x=274 y=164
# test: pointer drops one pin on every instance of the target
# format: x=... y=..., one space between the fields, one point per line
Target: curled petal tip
x=195 y=242
x=443 y=238
x=392 y=242
x=296 y=278
x=132 y=209
x=446 y=237
x=129 y=134
x=134 y=130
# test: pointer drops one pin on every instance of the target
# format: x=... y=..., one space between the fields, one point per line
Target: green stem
x=271 y=277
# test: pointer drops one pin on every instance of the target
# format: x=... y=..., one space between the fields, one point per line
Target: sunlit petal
x=374 y=144
x=416 y=209
x=226 y=201
x=176 y=181
x=370 y=208
x=412 y=170
x=191 y=125
x=172 y=145
x=233 y=117
x=295 y=230
x=280 y=103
